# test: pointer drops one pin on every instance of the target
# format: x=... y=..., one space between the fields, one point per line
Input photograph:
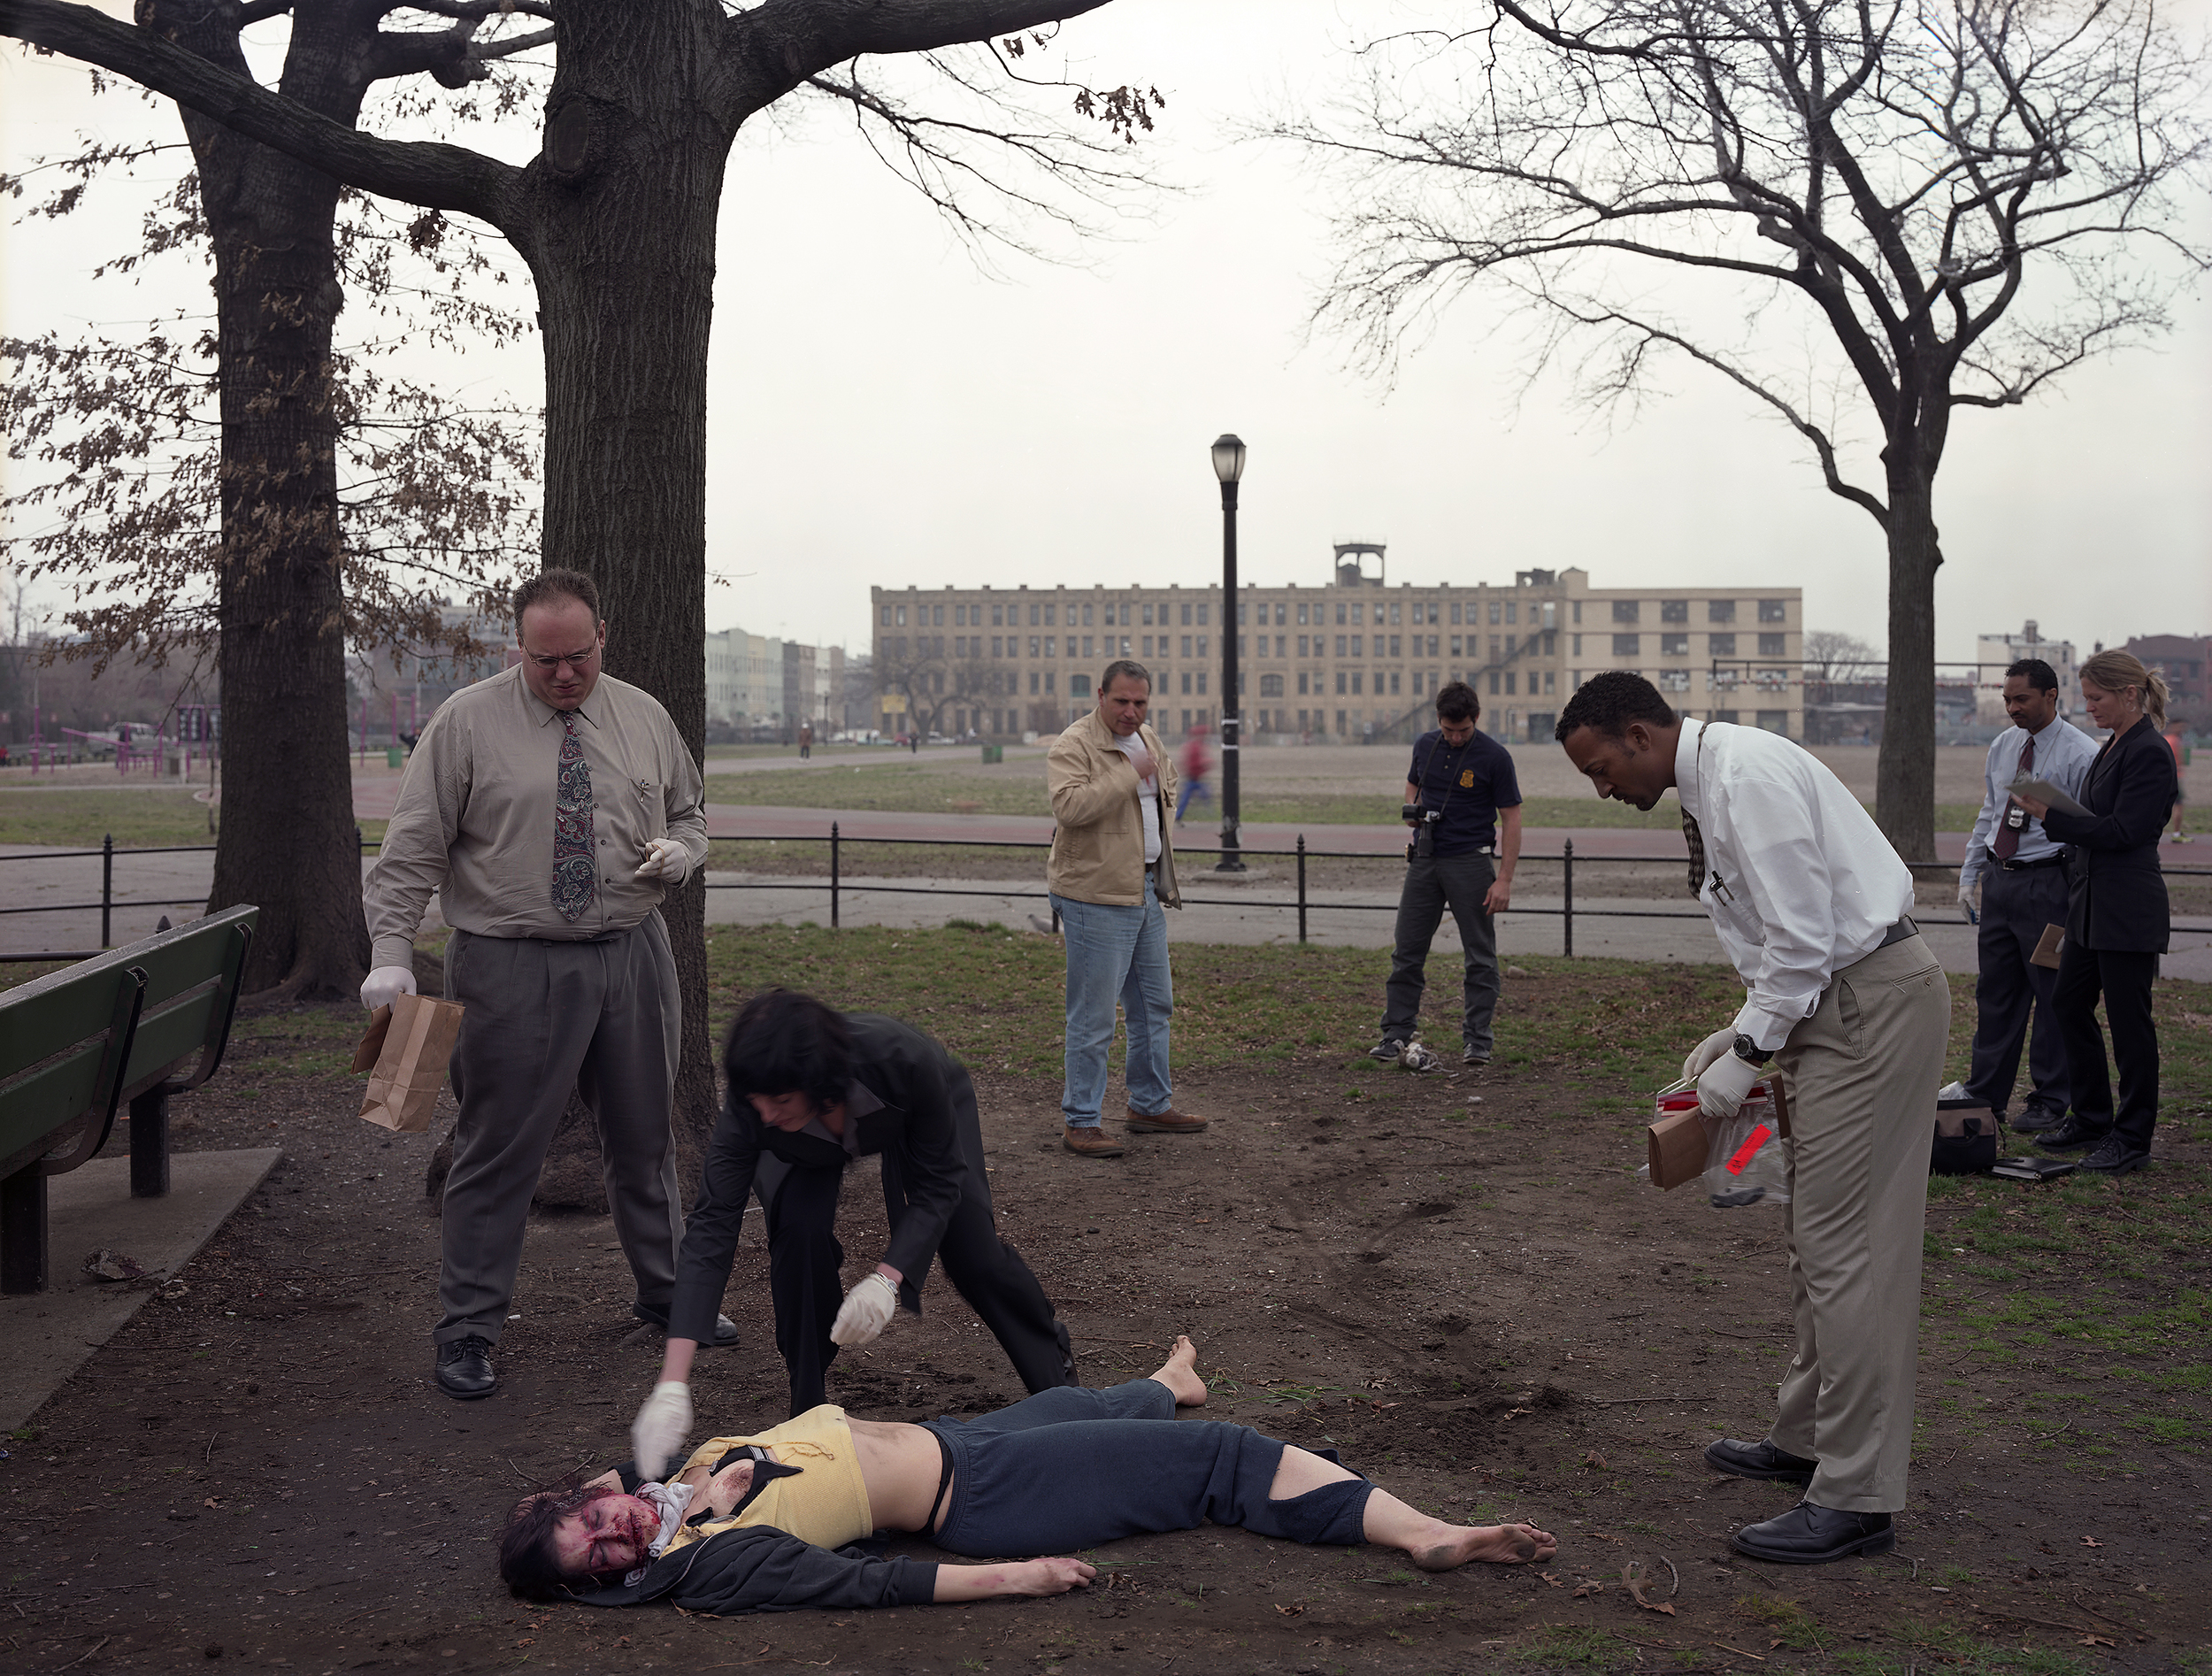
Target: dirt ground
x=1457 y=1280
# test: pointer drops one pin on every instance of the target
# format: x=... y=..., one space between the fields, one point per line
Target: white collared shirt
x=1129 y=745
x=1799 y=881
x=2063 y=756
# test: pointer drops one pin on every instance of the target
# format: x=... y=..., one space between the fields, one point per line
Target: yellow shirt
x=825 y=1502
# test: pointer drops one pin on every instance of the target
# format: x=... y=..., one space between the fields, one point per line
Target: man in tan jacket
x=1112 y=867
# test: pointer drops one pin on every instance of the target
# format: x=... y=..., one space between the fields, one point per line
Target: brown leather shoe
x=1092 y=1142
x=1168 y=1122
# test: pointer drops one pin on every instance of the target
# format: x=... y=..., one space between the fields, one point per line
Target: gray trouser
x=1432 y=883
x=543 y=1017
x=1861 y=1073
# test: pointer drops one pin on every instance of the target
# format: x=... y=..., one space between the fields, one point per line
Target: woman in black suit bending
x=2118 y=921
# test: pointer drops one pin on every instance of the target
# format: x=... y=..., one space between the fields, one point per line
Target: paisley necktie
x=574 y=871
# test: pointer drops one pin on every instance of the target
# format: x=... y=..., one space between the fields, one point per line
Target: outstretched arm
x=1027 y=1576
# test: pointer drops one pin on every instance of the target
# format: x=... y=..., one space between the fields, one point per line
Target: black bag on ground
x=1965 y=1139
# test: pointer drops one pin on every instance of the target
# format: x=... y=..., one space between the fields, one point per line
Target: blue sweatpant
x=1069 y=1468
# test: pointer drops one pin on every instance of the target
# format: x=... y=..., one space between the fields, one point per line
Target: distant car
x=936 y=738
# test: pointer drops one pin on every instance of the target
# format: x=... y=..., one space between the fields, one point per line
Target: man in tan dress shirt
x=550 y=807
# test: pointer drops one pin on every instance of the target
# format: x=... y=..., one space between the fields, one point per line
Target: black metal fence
x=838 y=888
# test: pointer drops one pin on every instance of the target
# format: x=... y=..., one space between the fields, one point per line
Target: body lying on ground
x=777 y=1522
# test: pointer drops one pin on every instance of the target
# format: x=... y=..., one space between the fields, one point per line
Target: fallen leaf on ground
x=1292 y=1611
x=213 y=1501
x=1595 y=1459
x=1635 y=1582
x=2091 y=1542
x=1554 y=1582
x=2097 y=1640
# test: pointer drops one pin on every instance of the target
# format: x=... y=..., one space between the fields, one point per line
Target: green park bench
x=137 y=1024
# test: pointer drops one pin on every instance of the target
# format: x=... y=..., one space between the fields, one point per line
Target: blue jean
x=1116 y=953
x=1069 y=1468
x=1195 y=787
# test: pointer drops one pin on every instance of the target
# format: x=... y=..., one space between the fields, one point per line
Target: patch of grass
x=1562 y=1647
x=138 y=818
x=1798 y=1628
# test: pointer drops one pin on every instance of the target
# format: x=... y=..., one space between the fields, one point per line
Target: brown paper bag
x=2047 y=946
x=366 y=1056
x=418 y=1035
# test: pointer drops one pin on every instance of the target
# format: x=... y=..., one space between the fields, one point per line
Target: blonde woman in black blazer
x=2118 y=920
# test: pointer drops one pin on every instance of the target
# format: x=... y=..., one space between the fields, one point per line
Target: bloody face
x=609 y=1533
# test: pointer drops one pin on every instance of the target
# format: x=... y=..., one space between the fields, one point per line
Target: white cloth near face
x=670 y=1500
x=1130 y=747
x=2063 y=756
x=1799 y=882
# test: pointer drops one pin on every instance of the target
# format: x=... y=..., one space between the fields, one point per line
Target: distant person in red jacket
x=1197 y=765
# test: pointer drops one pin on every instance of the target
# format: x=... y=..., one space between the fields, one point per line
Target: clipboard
x=2044 y=792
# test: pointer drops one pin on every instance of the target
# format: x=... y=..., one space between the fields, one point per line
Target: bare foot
x=1180 y=1374
x=1502 y=1544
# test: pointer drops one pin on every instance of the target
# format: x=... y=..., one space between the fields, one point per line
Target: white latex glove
x=1719 y=1045
x=1721 y=1090
x=666 y=860
x=661 y=1427
x=866 y=1312
x=1970 y=901
x=386 y=984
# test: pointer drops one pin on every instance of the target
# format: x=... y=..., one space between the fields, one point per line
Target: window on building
x=1627 y=610
x=1551 y=614
x=1512 y=610
x=1078 y=687
x=1551 y=680
x=1050 y=676
x=1720 y=611
x=1494 y=683
x=1087 y=616
x=1147 y=613
x=1721 y=645
x=1674 y=645
x=901 y=616
x=1774 y=722
x=1357 y=641
x=1301 y=683
x=1674 y=610
x=1394 y=681
x=1339 y=614
x=1301 y=647
x=1455 y=612
x=1626 y=645
x=1497 y=612
x=1774 y=611
x=1340 y=643
x=959 y=616
x=1355 y=678
x=1339 y=683
x=1282 y=613
x=1674 y=681
x=1731 y=717
x=1395 y=641
x=1033 y=683
x=886 y=620
x=1773 y=645
x=1202 y=682
x=1032 y=646
x=1301 y=616
x=998 y=616
x=1049 y=650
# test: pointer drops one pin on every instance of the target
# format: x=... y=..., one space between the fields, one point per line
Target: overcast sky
x=882 y=413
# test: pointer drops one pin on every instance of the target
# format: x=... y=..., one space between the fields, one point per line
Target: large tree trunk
x=286 y=842
x=622 y=246
x=1904 y=787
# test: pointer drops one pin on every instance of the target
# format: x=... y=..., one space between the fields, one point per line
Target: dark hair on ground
x=1119 y=668
x=526 y=1564
x=557 y=584
x=1608 y=701
x=1455 y=700
x=2036 y=673
x=784 y=1042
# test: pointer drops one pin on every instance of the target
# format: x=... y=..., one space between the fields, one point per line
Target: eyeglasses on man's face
x=576 y=661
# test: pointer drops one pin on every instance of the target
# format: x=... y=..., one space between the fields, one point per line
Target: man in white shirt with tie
x=1813 y=908
x=2014 y=881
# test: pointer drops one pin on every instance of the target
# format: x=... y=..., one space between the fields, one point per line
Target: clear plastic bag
x=1747 y=1160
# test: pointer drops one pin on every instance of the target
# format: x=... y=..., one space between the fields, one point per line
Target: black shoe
x=1757 y=1460
x=2113 y=1156
x=1810 y=1535
x=464 y=1368
x=2034 y=1119
x=725 y=1329
x=1386 y=1050
x=2071 y=1134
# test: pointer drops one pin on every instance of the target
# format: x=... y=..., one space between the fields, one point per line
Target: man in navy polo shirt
x=1467 y=837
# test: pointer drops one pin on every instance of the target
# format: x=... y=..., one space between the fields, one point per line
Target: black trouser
x=1432 y=884
x=2124 y=977
x=2016 y=908
x=804 y=1257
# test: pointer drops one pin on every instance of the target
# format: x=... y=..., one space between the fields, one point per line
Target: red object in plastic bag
x=1756 y=1139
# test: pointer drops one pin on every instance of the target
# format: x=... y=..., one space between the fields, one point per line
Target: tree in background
x=249 y=495
x=1955 y=202
x=616 y=217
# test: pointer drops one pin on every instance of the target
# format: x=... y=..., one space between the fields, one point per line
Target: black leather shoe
x=1810 y=1535
x=2071 y=1134
x=1757 y=1460
x=2035 y=1119
x=464 y=1368
x=2113 y=1156
x=725 y=1329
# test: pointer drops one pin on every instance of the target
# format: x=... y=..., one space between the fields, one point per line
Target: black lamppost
x=1229 y=466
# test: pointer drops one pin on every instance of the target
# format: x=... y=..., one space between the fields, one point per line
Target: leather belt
x=1899 y=931
x=2013 y=864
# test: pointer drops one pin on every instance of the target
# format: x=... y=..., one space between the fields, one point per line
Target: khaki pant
x=1863 y=1074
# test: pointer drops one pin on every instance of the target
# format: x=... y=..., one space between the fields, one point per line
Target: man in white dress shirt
x=2014 y=875
x=1812 y=907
